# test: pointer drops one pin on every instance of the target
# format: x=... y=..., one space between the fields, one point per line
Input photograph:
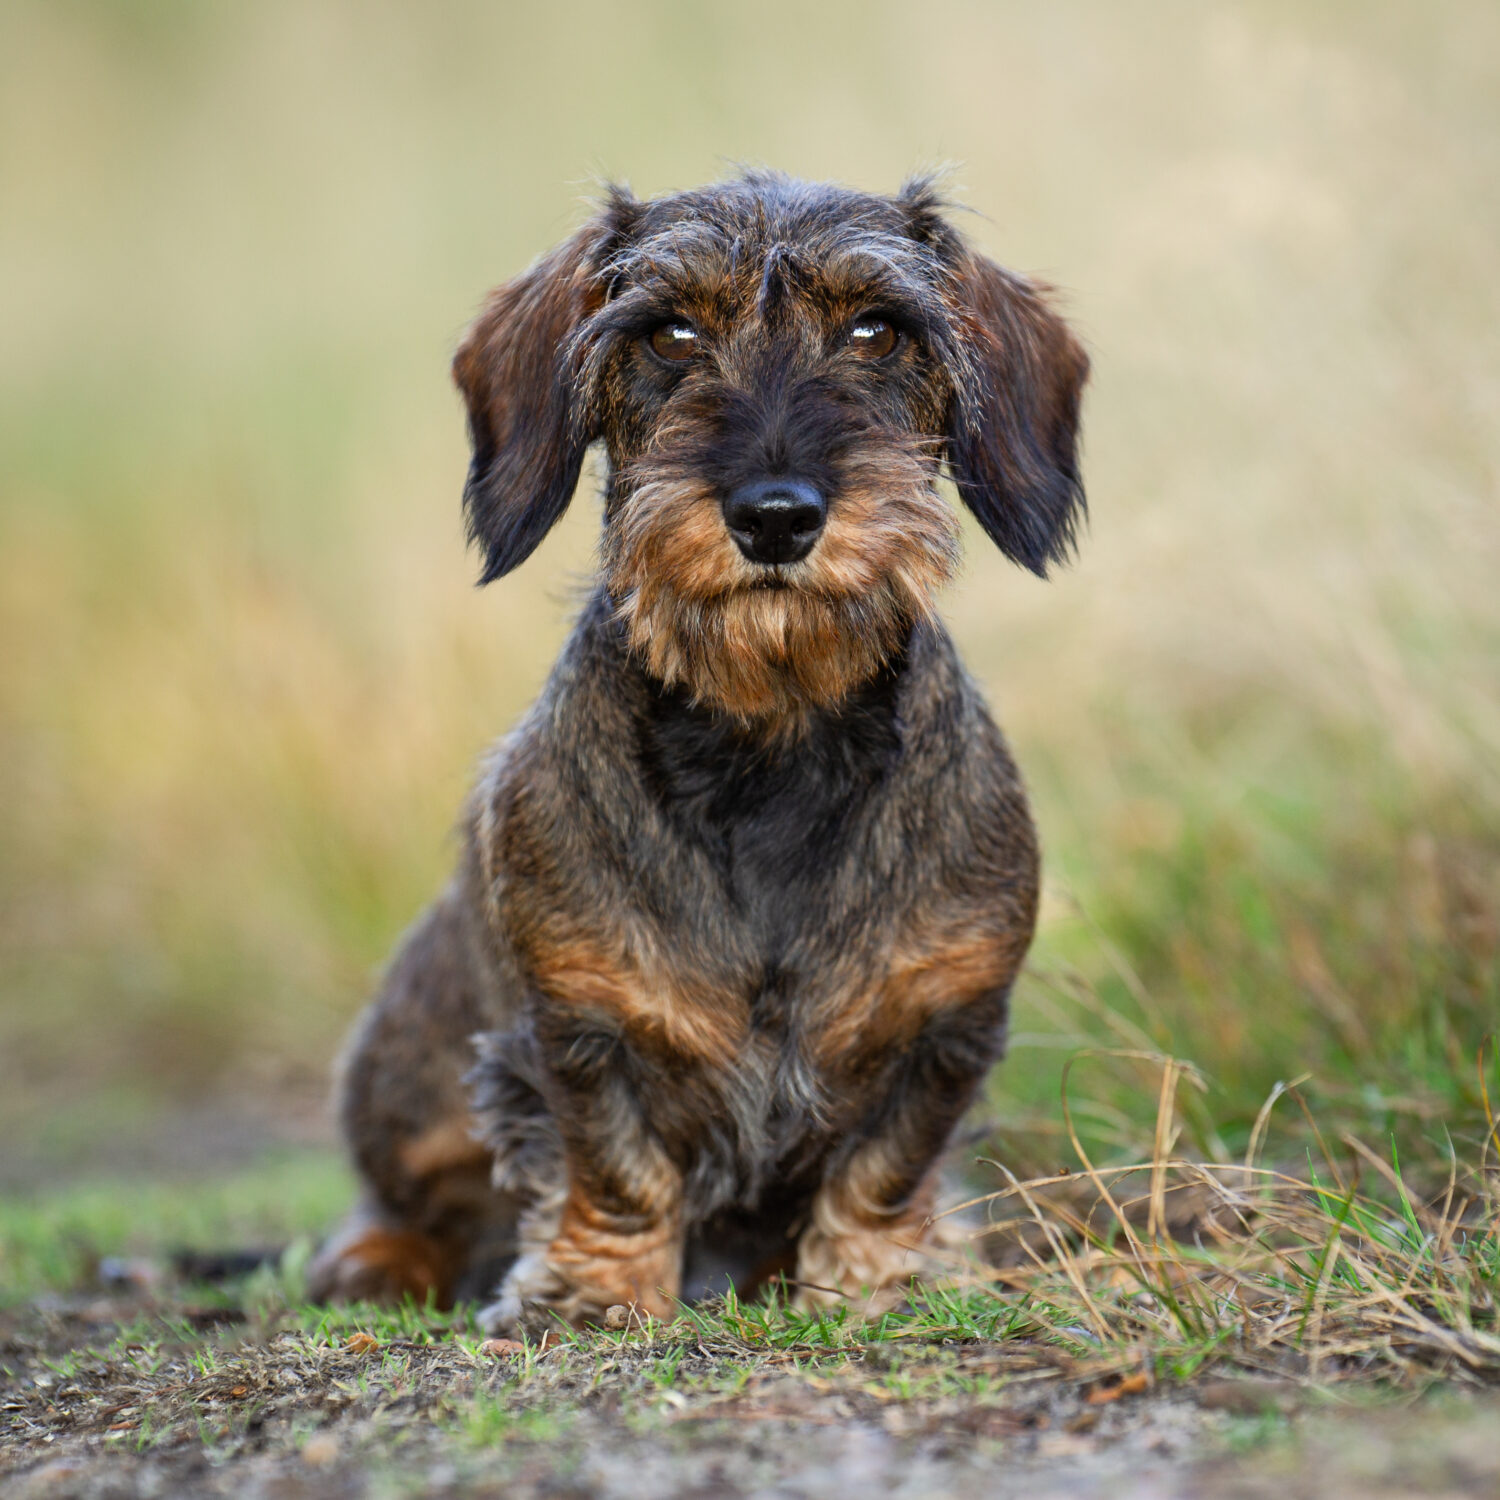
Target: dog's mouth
x=772 y=579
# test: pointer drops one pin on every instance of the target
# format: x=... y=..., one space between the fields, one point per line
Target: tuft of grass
x=1341 y=1271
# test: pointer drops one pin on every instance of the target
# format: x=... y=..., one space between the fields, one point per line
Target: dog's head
x=778 y=371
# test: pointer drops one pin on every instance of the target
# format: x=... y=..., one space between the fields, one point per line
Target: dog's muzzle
x=775 y=521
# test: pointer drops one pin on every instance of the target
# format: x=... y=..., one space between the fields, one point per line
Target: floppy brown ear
x=530 y=420
x=1013 y=424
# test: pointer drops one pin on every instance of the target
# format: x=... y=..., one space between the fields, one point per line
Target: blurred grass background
x=245 y=677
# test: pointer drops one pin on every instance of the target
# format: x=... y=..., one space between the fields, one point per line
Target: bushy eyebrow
x=862 y=282
x=640 y=310
x=903 y=266
x=647 y=282
x=695 y=268
x=678 y=261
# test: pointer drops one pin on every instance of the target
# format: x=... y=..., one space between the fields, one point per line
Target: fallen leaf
x=501 y=1348
x=361 y=1343
x=1126 y=1385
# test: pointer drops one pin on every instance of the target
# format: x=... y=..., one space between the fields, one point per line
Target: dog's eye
x=675 y=341
x=872 y=338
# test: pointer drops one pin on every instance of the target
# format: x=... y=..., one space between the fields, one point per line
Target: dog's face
x=778 y=371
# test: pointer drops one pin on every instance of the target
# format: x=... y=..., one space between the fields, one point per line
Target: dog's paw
x=368 y=1263
x=532 y=1300
x=869 y=1269
x=537 y=1297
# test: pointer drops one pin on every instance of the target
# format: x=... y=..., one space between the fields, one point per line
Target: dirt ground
x=100 y=1398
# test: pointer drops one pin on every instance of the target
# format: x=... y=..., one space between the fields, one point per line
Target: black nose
x=775 y=520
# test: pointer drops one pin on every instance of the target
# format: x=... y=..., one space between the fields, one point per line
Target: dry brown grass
x=1338 y=1272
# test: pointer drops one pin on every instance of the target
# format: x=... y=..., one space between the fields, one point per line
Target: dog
x=742 y=898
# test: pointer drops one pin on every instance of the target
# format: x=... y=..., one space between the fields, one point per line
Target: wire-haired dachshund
x=742 y=897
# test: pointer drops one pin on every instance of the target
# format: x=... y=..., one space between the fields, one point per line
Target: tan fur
x=926 y=971
x=447 y=1145
x=605 y=1266
x=855 y=1250
x=374 y=1264
x=577 y=1261
x=655 y=1004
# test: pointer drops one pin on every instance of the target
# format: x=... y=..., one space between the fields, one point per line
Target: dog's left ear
x=1013 y=420
x=530 y=418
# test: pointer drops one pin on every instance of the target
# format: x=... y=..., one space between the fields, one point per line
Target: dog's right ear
x=530 y=418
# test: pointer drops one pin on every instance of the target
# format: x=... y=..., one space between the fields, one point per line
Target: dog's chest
x=768 y=837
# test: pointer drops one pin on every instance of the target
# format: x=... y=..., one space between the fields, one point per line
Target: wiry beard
x=768 y=646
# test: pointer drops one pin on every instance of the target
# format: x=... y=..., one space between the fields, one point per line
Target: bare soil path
x=112 y=1399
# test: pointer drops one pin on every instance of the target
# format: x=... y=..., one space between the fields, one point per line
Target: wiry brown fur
x=743 y=896
x=696 y=609
x=702 y=619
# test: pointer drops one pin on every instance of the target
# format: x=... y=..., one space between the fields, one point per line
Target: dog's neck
x=775 y=680
x=780 y=718
x=861 y=727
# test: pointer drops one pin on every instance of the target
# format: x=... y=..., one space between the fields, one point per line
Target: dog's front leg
x=868 y=1232
x=611 y=1235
